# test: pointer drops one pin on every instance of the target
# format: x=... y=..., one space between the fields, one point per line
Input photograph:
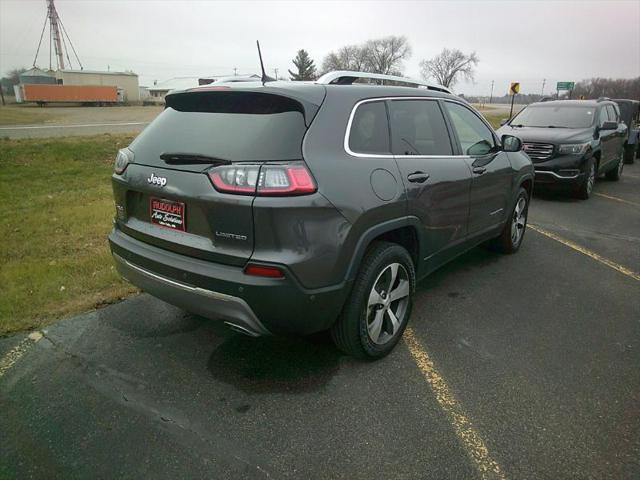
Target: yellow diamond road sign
x=514 y=88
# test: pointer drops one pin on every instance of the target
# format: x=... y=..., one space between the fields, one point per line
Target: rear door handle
x=479 y=170
x=418 y=177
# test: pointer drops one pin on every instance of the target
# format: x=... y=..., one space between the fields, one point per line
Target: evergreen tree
x=304 y=64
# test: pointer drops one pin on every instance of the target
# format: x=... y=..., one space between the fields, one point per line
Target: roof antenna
x=265 y=78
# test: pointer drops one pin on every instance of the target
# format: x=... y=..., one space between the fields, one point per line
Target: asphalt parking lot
x=522 y=366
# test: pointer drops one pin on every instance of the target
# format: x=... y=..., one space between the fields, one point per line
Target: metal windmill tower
x=58 y=39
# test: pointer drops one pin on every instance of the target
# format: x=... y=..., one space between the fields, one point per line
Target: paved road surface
x=521 y=366
x=44 y=131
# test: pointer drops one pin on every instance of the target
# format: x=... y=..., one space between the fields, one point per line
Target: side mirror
x=609 y=126
x=503 y=121
x=511 y=143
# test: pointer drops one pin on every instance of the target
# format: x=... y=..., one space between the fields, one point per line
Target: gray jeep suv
x=291 y=207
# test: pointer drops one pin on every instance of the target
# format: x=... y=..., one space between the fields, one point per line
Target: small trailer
x=84 y=94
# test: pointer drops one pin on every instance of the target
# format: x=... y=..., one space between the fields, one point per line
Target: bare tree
x=381 y=55
x=385 y=55
x=449 y=66
x=349 y=57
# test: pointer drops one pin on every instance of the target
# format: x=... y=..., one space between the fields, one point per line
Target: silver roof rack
x=346 y=77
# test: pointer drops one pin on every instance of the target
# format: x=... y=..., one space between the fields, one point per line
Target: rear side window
x=236 y=126
x=370 y=129
x=418 y=128
x=474 y=136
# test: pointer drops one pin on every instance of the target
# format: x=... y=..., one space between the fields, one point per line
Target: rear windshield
x=555 y=116
x=236 y=126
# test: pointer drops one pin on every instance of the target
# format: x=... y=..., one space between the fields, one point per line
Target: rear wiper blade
x=192 y=159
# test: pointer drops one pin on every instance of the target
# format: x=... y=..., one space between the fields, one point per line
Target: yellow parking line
x=470 y=438
x=621 y=200
x=13 y=355
x=599 y=258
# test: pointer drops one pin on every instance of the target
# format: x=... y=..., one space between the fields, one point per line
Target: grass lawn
x=494 y=118
x=23 y=115
x=54 y=257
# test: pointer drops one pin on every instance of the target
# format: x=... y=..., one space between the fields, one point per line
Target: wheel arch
x=405 y=231
x=526 y=183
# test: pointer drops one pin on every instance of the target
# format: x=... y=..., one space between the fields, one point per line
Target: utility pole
x=276 y=70
x=491 y=97
x=544 y=81
x=235 y=71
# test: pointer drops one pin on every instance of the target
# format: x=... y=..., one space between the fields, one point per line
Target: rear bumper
x=201 y=301
x=254 y=305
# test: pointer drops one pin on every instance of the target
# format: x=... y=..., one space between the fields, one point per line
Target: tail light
x=266 y=179
x=263 y=271
x=123 y=159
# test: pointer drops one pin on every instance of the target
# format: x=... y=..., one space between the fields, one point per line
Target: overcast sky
x=515 y=40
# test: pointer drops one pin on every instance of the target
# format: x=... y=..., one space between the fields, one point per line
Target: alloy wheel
x=388 y=302
x=519 y=221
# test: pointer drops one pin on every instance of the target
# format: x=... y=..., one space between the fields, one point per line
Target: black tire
x=584 y=189
x=351 y=333
x=506 y=242
x=630 y=152
x=616 y=172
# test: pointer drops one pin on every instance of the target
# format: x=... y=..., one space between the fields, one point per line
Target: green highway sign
x=565 y=85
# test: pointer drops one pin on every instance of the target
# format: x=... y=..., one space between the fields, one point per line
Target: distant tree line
x=608 y=87
x=590 y=89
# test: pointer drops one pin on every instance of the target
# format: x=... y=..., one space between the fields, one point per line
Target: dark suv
x=292 y=207
x=571 y=142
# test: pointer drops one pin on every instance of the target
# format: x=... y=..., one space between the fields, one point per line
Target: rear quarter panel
x=345 y=180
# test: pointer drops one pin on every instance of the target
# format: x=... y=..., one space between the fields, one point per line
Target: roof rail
x=346 y=77
x=603 y=99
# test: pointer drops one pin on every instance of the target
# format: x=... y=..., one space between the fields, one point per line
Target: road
x=57 y=121
x=80 y=129
x=522 y=366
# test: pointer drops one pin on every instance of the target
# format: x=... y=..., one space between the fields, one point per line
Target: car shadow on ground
x=304 y=364
x=478 y=257
x=275 y=364
x=555 y=195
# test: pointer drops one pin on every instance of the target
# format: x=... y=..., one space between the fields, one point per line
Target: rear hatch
x=196 y=168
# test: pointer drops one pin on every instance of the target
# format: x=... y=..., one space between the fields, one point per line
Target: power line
x=71 y=43
x=40 y=42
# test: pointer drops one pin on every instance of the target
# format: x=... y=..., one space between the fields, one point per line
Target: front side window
x=370 y=130
x=613 y=116
x=418 y=128
x=474 y=136
x=604 y=116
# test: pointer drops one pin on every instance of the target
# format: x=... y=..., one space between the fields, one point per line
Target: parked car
x=571 y=142
x=630 y=115
x=301 y=207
